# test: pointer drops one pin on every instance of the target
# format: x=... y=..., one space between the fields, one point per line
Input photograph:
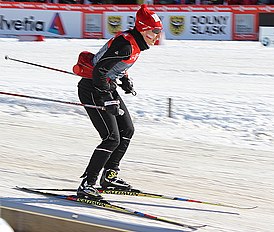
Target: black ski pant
x=115 y=132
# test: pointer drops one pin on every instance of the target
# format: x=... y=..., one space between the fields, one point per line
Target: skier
x=115 y=129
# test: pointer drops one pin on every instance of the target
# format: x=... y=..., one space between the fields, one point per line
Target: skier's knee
x=113 y=141
x=128 y=133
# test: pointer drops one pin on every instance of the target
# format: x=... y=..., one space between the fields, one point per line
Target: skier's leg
x=109 y=177
x=107 y=127
x=126 y=130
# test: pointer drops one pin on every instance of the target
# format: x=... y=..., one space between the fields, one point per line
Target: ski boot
x=88 y=191
x=109 y=180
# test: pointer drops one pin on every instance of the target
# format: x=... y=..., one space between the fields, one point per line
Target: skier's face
x=151 y=36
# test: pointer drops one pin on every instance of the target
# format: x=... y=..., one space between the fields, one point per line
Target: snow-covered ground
x=217 y=147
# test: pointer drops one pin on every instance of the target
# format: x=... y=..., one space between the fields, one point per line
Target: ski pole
x=41 y=66
x=54 y=69
x=121 y=112
x=53 y=100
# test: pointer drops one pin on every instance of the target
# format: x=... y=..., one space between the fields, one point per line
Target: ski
x=109 y=206
x=138 y=193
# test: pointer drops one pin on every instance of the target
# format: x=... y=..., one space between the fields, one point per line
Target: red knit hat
x=147 y=20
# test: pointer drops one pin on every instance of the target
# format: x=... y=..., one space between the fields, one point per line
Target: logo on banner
x=266 y=41
x=114 y=24
x=56 y=26
x=177 y=24
x=25 y=24
x=209 y=24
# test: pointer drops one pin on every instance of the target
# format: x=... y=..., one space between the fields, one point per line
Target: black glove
x=112 y=107
x=127 y=84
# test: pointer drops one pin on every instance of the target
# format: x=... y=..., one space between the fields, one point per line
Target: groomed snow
x=217 y=147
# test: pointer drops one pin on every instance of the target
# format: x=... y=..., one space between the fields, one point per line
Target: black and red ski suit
x=110 y=63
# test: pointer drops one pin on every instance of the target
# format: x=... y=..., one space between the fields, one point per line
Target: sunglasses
x=156 y=30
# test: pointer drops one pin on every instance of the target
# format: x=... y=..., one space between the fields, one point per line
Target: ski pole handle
x=133 y=92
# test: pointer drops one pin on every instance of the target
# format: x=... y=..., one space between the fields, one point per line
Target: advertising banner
x=117 y=21
x=62 y=24
x=266 y=36
x=92 y=27
x=245 y=27
x=182 y=22
x=186 y=25
x=198 y=25
x=245 y=20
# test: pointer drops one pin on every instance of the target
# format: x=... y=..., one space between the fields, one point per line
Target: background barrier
x=266 y=36
x=181 y=22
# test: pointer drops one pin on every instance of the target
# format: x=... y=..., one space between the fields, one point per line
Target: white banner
x=198 y=25
x=244 y=23
x=266 y=36
x=117 y=21
x=49 y=23
x=185 y=25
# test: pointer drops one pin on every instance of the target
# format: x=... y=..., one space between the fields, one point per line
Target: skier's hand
x=127 y=84
x=112 y=107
